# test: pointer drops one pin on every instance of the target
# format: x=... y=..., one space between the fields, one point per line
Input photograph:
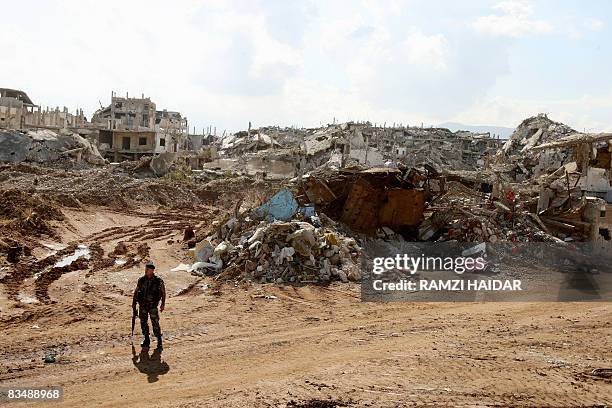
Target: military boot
x=146 y=342
x=159 y=343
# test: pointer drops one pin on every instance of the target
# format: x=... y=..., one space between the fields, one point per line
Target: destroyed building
x=194 y=142
x=13 y=107
x=30 y=134
x=589 y=158
x=461 y=150
x=577 y=197
x=363 y=144
x=130 y=128
x=17 y=111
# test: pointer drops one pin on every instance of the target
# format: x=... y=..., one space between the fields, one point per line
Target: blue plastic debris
x=282 y=206
x=308 y=211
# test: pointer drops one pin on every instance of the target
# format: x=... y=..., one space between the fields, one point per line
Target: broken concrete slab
x=161 y=163
x=46 y=146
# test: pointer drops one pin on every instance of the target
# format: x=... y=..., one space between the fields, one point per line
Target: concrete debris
x=535 y=131
x=469 y=215
x=292 y=251
x=522 y=155
x=348 y=144
x=160 y=164
x=341 y=186
x=47 y=147
x=564 y=177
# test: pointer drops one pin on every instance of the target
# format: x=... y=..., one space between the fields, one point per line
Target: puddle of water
x=38 y=274
x=82 y=251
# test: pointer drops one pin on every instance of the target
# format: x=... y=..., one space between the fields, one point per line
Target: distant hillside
x=503 y=132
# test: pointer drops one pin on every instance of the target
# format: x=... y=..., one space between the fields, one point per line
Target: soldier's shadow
x=151 y=365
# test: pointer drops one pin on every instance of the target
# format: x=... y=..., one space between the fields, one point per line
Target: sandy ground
x=277 y=346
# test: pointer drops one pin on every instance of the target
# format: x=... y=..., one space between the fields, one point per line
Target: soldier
x=148 y=293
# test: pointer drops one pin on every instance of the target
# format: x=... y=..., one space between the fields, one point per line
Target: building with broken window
x=577 y=196
x=13 y=107
x=17 y=111
x=132 y=127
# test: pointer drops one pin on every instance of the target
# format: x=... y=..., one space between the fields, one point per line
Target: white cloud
x=228 y=62
x=594 y=24
x=514 y=7
x=430 y=51
x=516 y=20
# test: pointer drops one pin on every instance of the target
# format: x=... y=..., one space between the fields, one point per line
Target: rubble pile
x=423 y=205
x=478 y=218
x=520 y=155
x=568 y=174
x=533 y=132
x=443 y=158
x=281 y=251
x=363 y=144
x=261 y=139
x=277 y=241
x=63 y=147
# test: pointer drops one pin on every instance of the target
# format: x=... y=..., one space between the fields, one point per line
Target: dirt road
x=270 y=346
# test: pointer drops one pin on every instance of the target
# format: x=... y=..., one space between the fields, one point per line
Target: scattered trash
x=602 y=372
x=181 y=267
x=262 y=296
x=50 y=357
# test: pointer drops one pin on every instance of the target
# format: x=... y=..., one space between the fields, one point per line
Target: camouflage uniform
x=144 y=314
x=148 y=293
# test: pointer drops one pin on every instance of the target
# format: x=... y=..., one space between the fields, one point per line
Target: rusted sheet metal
x=362 y=206
x=402 y=208
x=370 y=199
x=318 y=191
x=368 y=207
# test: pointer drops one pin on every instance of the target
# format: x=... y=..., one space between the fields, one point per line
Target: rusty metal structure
x=366 y=200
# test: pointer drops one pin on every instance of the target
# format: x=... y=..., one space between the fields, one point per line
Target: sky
x=307 y=63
